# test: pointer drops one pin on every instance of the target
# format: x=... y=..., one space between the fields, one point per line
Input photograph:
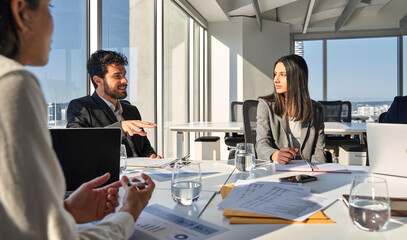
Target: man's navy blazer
x=397 y=112
x=92 y=111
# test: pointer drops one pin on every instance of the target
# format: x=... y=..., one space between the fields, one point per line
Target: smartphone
x=298 y=178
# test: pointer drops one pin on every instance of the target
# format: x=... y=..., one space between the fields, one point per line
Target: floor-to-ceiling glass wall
x=363 y=71
x=64 y=76
x=313 y=55
x=128 y=27
x=175 y=73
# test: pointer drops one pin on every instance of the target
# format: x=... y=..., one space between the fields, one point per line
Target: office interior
x=189 y=59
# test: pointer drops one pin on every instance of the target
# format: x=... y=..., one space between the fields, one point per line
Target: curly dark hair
x=99 y=60
x=9 y=41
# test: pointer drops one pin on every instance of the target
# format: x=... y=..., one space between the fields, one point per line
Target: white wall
x=241 y=61
x=260 y=51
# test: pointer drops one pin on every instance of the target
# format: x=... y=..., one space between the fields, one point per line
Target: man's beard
x=113 y=93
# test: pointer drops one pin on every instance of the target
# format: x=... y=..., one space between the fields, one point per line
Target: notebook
x=86 y=153
x=387 y=148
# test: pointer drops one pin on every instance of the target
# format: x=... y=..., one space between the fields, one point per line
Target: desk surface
x=209 y=127
x=330 y=127
x=329 y=184
x=345 y=128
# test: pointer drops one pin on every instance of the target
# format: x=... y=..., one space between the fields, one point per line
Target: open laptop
x=86 y=153
x=387 y=146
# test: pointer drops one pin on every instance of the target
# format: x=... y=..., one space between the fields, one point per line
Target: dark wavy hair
x=9 y=41
x=99 y=60
x=297 y=103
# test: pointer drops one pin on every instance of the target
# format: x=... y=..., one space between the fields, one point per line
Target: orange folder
x=242 y=217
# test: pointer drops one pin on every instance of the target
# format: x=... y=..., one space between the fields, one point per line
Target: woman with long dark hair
x=289 y=124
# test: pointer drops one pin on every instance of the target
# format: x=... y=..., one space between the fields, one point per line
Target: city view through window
x=362 y=71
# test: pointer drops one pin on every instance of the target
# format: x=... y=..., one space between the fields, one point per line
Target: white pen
x=137 y=184
x=290 y=138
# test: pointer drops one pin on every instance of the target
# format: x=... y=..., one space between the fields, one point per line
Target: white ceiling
x=364 y=15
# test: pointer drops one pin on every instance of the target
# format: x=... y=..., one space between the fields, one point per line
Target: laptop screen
x=86 y=153
x=387 y=148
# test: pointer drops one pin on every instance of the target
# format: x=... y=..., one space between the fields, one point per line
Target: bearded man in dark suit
x=105 y=108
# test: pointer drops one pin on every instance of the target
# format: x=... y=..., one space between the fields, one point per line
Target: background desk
x=352 y=128
x=235 y=127
x=345 y=128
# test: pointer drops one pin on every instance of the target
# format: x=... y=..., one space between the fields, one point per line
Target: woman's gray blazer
x=271 y=133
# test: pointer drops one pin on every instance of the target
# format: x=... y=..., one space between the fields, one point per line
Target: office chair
x=332 y=110
x=232 y=139
x=250 y=120
x=338 y=111
x=381 y=117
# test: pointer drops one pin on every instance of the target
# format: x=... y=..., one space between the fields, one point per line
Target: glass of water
x=123 y=158
x=369 y=205
x=245 y=157
x=186 y=183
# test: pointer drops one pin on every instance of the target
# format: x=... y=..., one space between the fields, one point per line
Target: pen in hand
x=290 y=139
x=137 y=184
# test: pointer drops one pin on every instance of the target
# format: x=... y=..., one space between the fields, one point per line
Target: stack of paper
x=150 y=162
x=272 y=203
x=302 y=166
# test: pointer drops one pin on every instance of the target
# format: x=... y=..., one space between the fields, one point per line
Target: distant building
x=299 y=48
x=58 y=113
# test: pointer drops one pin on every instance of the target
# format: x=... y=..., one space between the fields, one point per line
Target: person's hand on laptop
x=136 y=198
x=90 y=203
x=136 y=127
x=156 y=156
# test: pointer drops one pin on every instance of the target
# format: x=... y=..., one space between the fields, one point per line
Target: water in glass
x=123 y=158
x=245 y=157
x=186 y=183
x=186 y=192
x=369 y=206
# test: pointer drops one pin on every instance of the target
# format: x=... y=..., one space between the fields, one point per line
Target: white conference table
x=352 y=128
x=328 y=184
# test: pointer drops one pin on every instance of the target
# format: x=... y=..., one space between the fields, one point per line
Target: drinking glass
x=369 y=205
x=186 y=183
x=245 y=157
x=123 y=158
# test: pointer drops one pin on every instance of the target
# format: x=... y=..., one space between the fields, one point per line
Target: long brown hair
x=297 y=103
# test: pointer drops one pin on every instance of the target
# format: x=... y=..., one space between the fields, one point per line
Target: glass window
x=175 y=73
x=363 y=71
x=312 y=53
x=64 y=77
x=128 y=27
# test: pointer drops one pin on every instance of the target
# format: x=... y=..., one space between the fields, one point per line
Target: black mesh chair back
x=332 y=110
x=231 y=139
x=250 y=120
x=346 y=115
x=381 y=116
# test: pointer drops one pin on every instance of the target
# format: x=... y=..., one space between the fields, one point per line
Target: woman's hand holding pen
x=284 y=155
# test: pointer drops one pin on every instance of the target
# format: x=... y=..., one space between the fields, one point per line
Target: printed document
x=159 y=222
x=275 y=199
x=150 y=162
